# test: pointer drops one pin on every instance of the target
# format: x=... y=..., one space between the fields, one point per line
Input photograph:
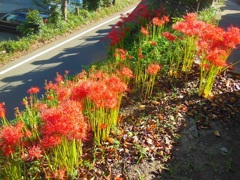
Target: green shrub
x=32 y=25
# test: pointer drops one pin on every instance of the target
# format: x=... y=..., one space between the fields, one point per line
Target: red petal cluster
x=34 y=152
x=153 y=69
x=65 y=120
x=105 y=92
x=190 y=26
x=121 y=53
x=217 y=57
x=213 y=42
x=144 y=31
x=126 y=72
x=33 y=90
x=10 y=137
x=160 y=21
x=168 y=36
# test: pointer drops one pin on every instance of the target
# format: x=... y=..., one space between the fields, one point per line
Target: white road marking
x=60 y=44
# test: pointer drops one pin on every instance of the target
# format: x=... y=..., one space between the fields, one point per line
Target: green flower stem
x=67 y=155
x=150 y=86
x=207 y=79
x=189 y=52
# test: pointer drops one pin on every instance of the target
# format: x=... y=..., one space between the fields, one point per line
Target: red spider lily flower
x=119 y=24
x=217 y=57
x=10 y=137
x=166 y=19
x=97 y=75
x=7 y=150
x=213 y=35
x=42 y=106
x=50 y=97
x=50 y=85
x=157 y=21
x=80 y=91
x=203 y=46
x=50 y=141
x=154 y=43
x=191 y=17
x=116 y=85
x=142 y=13
x=180 y=26
x=66 y=120
x=232 y=37
x=82 y=75
x=100 y=94
x=115 y=36
x=126 y=72
x=153 y=69
x=121 y=53
x=168 y=36
x=63 y=93
x=2 y=110
x=33 y=90
x=145 y=31
x=140 y=54
x=106 y=90
x=190 y=26
x=103 y=126
x=12 y=134
x=34 y=152
x=125 y=18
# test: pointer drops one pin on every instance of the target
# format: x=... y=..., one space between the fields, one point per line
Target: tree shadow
x=208 y=139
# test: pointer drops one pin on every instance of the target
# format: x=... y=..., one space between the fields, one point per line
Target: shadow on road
x=92 y=49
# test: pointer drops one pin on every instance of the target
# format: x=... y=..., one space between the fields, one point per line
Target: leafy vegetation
x=55 y=27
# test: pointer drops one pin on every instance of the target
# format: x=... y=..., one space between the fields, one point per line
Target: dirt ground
x=207 y=141
x=207 y=154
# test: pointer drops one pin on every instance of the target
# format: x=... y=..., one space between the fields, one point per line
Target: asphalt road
x=70 y=53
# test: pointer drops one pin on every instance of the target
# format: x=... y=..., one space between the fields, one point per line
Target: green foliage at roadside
x=54 y=28
x=32 y=25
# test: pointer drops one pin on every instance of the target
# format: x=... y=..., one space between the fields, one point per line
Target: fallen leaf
x=141 y=107
x=149 y=141
x=217 y=133
x=110 y=140
x=160 y=153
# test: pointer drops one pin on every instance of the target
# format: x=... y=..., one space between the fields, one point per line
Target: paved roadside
x=230 y=16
